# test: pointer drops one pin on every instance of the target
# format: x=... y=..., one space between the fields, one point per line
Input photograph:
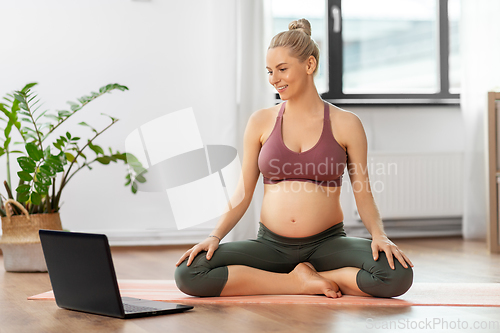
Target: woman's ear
x=311 y=64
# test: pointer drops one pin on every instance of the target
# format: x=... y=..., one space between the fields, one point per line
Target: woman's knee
x=183 y=278
x=399 y=281
x=199 y=279
x=383 y=281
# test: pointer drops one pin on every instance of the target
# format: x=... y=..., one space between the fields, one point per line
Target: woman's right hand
x=210 y=244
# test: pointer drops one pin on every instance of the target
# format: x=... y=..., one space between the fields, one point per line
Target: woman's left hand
x=382 y=243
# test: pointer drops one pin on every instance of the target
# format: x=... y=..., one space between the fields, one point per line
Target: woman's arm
x=248 y=178
x=357 y=148
x=243 y=193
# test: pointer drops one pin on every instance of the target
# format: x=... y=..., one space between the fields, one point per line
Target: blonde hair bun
x=298 y=39
x=301 y=24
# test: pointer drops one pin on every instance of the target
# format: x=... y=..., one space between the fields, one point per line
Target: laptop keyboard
x=129 y=308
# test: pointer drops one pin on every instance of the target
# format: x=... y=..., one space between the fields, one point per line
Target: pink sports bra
x=323 y=164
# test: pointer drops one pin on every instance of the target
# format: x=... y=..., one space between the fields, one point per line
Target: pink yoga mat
x=445 y=294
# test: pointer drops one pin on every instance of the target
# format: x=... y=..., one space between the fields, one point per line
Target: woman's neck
x=308 y=102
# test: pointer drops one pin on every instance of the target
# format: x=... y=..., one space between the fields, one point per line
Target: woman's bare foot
x=311 y=266
x=337 y=287
x=342 y=275
x=312 y=283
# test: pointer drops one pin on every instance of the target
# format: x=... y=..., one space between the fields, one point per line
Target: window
x=382 y=52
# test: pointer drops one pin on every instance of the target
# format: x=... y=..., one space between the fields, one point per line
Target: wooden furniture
x=493 y=170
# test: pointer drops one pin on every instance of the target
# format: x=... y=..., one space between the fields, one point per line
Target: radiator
x=418 y=191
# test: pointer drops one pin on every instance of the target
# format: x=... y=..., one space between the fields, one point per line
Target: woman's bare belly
x=300 y=209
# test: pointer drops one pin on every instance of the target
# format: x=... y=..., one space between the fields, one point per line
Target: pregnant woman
x=301 y=147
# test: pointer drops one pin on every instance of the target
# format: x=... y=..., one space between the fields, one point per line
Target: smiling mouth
x=281 y=88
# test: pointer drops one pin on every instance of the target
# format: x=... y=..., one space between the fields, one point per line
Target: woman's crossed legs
x=273 y=264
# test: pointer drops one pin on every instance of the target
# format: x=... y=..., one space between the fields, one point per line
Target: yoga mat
x=421 y=294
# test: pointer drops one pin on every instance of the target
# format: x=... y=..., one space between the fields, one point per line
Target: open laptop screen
x=81 y=272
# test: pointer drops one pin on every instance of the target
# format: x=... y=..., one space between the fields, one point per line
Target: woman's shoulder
x=263 y=114
x=263 y=117
x=346 y=126
x=344 y=117
x=336 y=111
x=262 y=121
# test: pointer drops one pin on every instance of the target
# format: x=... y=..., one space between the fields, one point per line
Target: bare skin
x=303 y=280
x=346 y=278
x=300 y=209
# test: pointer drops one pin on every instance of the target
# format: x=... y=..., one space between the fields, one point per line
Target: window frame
x=335 y=94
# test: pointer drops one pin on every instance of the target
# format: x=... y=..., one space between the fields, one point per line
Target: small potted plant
x=47 y=162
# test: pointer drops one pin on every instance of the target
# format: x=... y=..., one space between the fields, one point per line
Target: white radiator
x=422 y=189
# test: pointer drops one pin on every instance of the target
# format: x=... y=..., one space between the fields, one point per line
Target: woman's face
x=286 y=73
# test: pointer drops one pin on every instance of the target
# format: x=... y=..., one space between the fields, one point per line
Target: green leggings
x=326 y=251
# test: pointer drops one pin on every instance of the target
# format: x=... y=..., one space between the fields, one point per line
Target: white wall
x=169 y=53
x=406 y=129
x=412 y=128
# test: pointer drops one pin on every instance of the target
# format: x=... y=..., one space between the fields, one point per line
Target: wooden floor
x=435 y=259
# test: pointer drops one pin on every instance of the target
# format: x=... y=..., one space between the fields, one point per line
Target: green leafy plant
x=44 y=164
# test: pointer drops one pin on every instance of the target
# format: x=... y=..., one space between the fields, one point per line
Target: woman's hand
x=382 y=243
x=210 y=244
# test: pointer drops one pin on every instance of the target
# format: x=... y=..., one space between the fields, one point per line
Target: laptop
x=83 y=277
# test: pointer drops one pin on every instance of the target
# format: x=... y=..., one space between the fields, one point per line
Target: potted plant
x=47 y=162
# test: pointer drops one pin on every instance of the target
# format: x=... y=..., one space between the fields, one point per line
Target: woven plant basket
x=20 y=243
